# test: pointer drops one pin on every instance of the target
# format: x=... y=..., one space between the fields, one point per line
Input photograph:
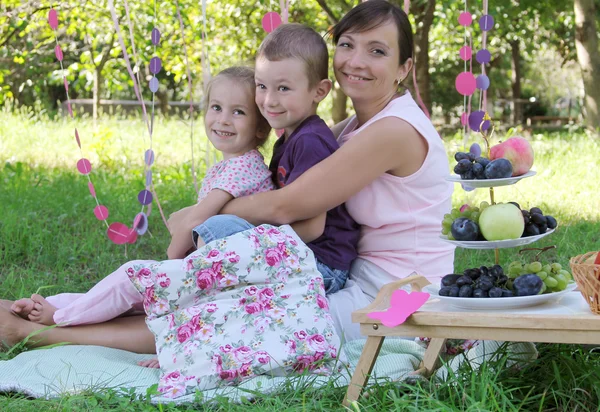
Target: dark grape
x=501 y=280
x=483 y=161
x=478 y=293
x=535 y=210
x=464 y=229
x=463 y=280
x=496 y=271
x=484 y=283
x=495 y=293
x=444 y=291
x=516 y=204
x=465 y=291
x=454 y=291
x=551 y=222
x=484 y=271
x=531 y=230
x=460 y=156
x=463 y=166
x=542 y=228
x=471 y=156
x=478 y=170
x=538 y=219
x=498 y=169
x=507 y=293
x=470 y=175
x=472 y=273
x=526 y=216
x=450 y=280
x=527 y=285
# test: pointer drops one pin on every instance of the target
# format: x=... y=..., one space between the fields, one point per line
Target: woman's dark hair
x=372 y=14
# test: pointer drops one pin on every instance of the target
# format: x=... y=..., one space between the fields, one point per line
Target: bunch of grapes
x=553 y=276
x=536 y=223
x=483 y=282
x=466 y=211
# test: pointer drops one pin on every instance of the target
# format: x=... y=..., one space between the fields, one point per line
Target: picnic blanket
x=56 y=372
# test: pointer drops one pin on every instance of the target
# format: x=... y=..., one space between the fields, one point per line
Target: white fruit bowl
x=496 y=244
x=489 y=182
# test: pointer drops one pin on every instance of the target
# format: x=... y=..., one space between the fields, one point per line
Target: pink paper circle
x=271 y=21
x=465 y=53
x=464 y=118
x=465 y=83
x=140 y=223
x=465 y=19
x=84 y=166
x=101 y=212
x=77 y=138
x=118 y=233
x=58 y=53
x=132 y=236
x=53 y=19
x=92 y=189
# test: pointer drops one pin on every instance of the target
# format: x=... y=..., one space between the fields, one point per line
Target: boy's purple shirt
x=311 y=142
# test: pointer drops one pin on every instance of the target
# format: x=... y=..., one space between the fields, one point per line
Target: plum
x=464 y=229
x=498 y=169
x=527 y=285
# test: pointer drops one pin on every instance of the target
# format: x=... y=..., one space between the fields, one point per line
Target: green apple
x=501 y=221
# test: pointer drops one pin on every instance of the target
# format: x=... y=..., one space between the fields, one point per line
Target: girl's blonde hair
x=245 y=76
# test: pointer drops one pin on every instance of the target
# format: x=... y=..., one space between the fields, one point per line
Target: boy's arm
x=182 y=223
x=310 y=229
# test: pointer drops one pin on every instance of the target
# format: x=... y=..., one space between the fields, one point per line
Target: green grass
x=50 y=239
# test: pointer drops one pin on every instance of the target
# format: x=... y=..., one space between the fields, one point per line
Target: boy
x=291 y=80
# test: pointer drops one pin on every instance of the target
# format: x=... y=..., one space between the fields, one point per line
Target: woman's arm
x=386 y=145
x=182 y=223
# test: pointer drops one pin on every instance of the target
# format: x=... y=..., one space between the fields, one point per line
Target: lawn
x=51 y=241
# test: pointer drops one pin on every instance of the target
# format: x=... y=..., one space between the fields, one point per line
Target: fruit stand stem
x=492 y=196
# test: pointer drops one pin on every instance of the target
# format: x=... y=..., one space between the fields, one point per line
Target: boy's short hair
x=298 y=41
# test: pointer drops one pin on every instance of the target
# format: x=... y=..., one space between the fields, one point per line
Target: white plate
x=497 y=303
x=496 y=244
x=490 y=182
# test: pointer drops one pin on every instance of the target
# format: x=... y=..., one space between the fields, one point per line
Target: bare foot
x=42 y=312
x=10 y=328
x=149 y=363
x=22 y=307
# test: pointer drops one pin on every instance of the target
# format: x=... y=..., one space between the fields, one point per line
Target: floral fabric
x=250 y=304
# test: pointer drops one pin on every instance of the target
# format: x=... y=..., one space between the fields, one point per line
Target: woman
x=390 y=172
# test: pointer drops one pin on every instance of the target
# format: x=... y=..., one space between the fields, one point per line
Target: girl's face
x=231 y=119
x=366 y=64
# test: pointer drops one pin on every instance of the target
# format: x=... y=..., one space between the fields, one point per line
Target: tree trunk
x=515 y=47
x=338 y=107
x=588 y=55
x=423 y=12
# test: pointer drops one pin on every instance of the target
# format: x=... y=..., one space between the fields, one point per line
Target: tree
x=588 y=55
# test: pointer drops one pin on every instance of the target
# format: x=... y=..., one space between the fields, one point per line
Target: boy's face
x=282 y=93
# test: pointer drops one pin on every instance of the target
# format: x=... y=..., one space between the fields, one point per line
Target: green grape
x=483 y=205
x=475 y=217
x=562 y=284
x=542 y=275
x=544 y=288
x=448 y=220
x=514 y=272
x=566 y=274
x=445 y=230
x=450 y=237
x=550 y=282
x=547 y=268
x=560 y=277
x=455 y=213
x=515 y=264
x=535 y=267
x=476 y=209
x=556 y=267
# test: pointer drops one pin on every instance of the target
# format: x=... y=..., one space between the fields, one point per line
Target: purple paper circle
x=483 y=56
x=466 y=53
x=483 y=82
x=149 y=157
x=475 y=119
x=145 y=197
x=155 y=65
x=486 y=22
x=465 y=83
x=465 y=19
x=154 y=85
x=149 y=178
x=101 y=212
x=155 y=36
x=140 y=223
x=84 y=166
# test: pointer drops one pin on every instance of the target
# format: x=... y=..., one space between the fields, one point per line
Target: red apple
x=518 y=151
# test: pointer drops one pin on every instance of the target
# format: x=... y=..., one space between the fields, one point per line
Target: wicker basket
x=587 y=276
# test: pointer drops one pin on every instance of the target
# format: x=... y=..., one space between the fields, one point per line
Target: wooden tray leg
x=363 y=368
x=432 y=357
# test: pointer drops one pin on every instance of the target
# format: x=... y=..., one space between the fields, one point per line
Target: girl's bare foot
x=42 y=312
x=22 y=307
x=149 y=363
x=10 y=328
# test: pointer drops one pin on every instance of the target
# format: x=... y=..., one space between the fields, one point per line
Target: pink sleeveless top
x=401 y=217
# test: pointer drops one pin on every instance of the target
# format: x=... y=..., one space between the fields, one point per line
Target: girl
x=236 y=128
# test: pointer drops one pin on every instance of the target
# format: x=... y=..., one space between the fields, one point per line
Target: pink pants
x=111 y=297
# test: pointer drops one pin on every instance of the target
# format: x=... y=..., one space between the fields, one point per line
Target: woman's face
x=366 y=64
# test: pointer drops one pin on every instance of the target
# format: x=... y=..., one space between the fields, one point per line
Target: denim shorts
x=221 y=226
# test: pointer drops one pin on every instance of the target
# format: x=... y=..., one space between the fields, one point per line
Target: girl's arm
x=310 y=229
x=388 y=145
x=182 y=223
